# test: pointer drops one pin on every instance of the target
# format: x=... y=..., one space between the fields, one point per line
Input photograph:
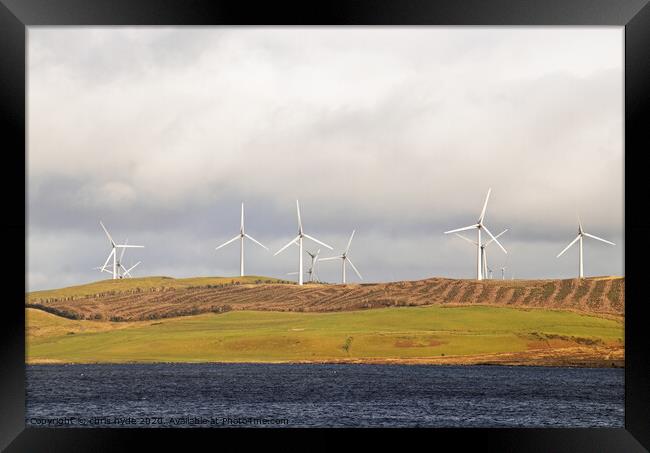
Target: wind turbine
x=113 y=254
x=581 y=234
x=122 y=271
x=312 y=268
x=344 y=258
x=479 y=226
x=503 y=273
x=484 y=265
x=242 y=234
x=299 y=239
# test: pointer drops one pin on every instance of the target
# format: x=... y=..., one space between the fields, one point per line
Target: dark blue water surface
x=281 y=395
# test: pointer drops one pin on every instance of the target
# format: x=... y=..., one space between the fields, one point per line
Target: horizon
x=290 y=281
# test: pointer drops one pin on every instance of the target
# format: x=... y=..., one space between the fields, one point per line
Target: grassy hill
x=433 y=334
x=143 y=283
x=164 y=297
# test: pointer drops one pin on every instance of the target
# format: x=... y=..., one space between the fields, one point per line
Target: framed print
x=288 y=219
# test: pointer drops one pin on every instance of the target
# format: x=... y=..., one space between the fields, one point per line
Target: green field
x=256 y=336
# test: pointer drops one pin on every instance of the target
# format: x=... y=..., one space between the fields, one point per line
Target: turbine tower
x=113 y=254
x=479 y=226
x=484 y=265
x=299 y=238
x=242 y=234
x=344 y=258
x=581 y=234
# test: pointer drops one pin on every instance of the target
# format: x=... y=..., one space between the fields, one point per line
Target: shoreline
x=387 y=363
x=571 y=358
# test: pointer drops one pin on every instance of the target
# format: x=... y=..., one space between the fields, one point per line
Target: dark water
x=322 y=395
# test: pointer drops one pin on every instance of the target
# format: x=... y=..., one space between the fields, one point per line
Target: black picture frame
x=634 y=15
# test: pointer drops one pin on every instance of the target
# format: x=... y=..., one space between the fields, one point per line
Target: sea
x=219 y=395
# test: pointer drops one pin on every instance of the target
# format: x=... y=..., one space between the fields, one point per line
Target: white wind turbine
x=344 y=258
x=242 y=234
x=484 y=265
x=122 y=271
x=479 y=226
x=113 y=254
x=582 y=233
x=312 y=268
x=299 y=239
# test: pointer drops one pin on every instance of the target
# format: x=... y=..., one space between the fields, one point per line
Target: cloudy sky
x=395 y=132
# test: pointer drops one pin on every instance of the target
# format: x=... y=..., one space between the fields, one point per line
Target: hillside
x=164 y=297
x=413 y=335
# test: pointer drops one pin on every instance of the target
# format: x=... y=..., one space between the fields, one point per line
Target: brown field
x=155 y=298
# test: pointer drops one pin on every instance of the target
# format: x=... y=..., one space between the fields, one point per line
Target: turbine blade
x=497 y=236
x=228 y=242
x=567 y=247
x=255 y=241
x=122 y=246
x=355 y=269
x=494 y=239
x=347 y=249
x=242 y=217
x=125 y=273
x=598 y=239
x=293 y=241
x=293 y=273
x=110 y=255
x=298 y=211
x=99 y=268
x=468 y=240
x=487 y=197
x=123 y=250
x=132 y=267
x=463 y=229
x=109 y=236
x=317 y=241
x=330 y=258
